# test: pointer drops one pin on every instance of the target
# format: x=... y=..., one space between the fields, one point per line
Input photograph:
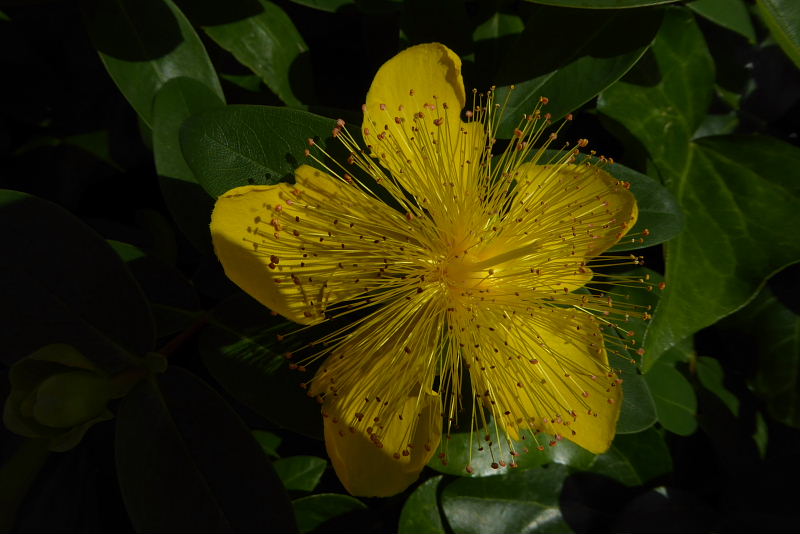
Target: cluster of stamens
x=451 y=262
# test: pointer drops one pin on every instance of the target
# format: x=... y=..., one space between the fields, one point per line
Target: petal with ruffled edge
x=275 y=241
x=549 y=374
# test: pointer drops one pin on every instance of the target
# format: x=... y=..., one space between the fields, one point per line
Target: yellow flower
x=468 y=273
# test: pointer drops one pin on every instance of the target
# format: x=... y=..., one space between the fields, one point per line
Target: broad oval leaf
x=420 y=514
x=186 y=462
x=241 y=145
x=731 y=14
x=62 y=283
x=145 y=43
x=569 y=67
x=520 y=501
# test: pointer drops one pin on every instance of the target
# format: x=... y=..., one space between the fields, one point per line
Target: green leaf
x=638 y=408
x=676 y=402
x=144 y=44
x=300 y=473
x=782 y=17
x=186 y=462
x=241 y=351
x=739 y=210
x=599 y=48
x=241 y=145
x=493 y=38
x=520 y=501
x=730 y=14
x=314 y=511
x=269 y=442
x=712 y=377
x=664 y=99
x=262 y=37
x=634 y=459
x=737 y=207
x=777 y=377
x=62 y=283
x=186 y=200
x=491 y=457
x=602 y=4
x=420 y=514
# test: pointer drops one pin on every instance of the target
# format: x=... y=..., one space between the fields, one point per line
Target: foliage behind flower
x=472 y=274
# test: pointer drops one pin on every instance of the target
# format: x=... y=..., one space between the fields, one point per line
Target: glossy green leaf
x=269 y=442
x=731 y=14
x=300 y=473
x=314 y=511
x=777 y=377
x=420 y=514
x=491 y=457
x=493 y=38
x=782 y=17
x=189 y=204
x=56 y=271
x=242 y=353
x=186 y=462
x=740 y=208
x=519 y=501
x=262 y=37
x=602 y=4
x=712 y=377
x=761 y=435
x=737 y=207
x=638 y=408
x=241 y=145
x=664 y=99
x=578 y=64
x=144 y=44
x=676 y=402
x=634 y=459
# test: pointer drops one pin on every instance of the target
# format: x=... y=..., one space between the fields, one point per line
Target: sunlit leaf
x=420 y=514
x=519 y=501
x=241 y=145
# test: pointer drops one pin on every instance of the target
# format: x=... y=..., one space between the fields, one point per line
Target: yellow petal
x=380 y=467
x=412 y=120
x=573 y=208
x=259 y=233
x=552 y=377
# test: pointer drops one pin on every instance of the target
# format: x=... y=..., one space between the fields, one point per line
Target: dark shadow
x=110 y=23
x=559 y=39
x=591 y=503
x=301 y=78
x=218 y=13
